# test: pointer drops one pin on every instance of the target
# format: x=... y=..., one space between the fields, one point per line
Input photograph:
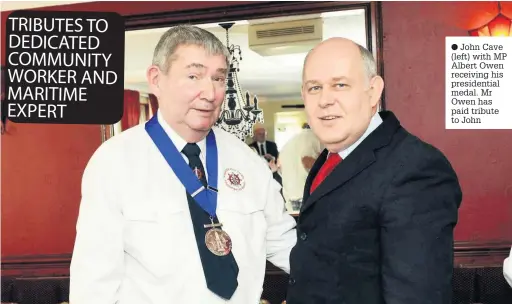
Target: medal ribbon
x=206 y=198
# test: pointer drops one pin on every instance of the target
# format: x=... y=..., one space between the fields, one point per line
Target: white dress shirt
x=262 y=147
x=294 y=175
x=375 y=122
x=135 y=242
x=507 y=268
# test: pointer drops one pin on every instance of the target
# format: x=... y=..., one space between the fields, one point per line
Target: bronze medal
x=218 y=242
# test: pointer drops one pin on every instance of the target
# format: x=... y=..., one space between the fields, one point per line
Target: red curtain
x=131 y=113
x=153 y=103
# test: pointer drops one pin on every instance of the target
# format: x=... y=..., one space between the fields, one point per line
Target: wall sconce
x=501 y=26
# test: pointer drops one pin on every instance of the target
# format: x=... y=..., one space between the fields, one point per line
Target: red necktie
x=332 y=160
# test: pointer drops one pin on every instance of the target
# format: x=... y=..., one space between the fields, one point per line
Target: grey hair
x=186 y=35
x=369 y=63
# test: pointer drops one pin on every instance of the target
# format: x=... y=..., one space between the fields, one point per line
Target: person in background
x=380 y=205
x=272 y=166
x=255 y=151
x=175 y=211
x=507 y=269
x=266 y=148
x=296 y=159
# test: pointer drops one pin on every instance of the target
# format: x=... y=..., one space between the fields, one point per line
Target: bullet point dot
x=454 y=47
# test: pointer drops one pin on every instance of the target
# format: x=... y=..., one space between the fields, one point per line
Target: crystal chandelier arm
x=249 y=117
x=221 y=116
x=241 y=113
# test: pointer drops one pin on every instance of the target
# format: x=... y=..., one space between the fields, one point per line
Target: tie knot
x=191 y=150
x=333 y=158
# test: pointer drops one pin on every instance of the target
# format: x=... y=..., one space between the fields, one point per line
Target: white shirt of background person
x=292 y=170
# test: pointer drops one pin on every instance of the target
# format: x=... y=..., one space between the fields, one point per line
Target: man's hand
x=269 y=157
x=273 y=166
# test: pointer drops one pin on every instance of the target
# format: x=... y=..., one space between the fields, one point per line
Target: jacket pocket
x=151 y=234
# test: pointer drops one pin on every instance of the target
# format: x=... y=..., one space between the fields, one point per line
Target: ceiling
x=271 y=78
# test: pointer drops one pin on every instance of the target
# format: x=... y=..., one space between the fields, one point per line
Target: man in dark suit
x=264 y=147
x=380 y=205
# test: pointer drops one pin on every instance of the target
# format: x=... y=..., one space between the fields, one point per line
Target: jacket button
x=291 y=281
x=303 y=236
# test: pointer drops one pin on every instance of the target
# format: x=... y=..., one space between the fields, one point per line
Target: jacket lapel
x=342 y=173
x=313 y=172
x=360 y=159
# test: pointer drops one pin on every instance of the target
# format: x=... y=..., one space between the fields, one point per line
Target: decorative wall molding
x=256 y=10
x=51 y=265
x=467 y=255
x=481 y=254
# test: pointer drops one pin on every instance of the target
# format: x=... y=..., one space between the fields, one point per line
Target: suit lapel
x=360 y=159
x=313 y=172
x=342 y=173
x=257 y=147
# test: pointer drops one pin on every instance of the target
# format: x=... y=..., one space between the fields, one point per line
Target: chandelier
x=238 y=113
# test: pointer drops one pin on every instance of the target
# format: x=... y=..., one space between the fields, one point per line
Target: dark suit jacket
x=270 y=146
x=379 y=229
